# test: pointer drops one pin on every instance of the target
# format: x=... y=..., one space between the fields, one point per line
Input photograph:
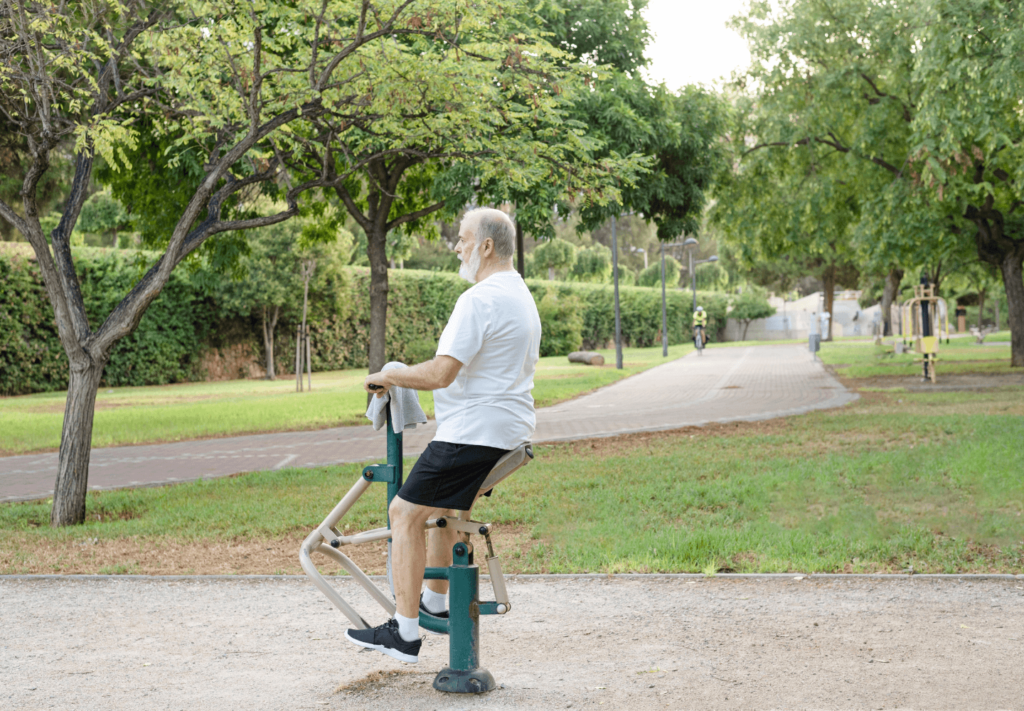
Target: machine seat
x=512 y=461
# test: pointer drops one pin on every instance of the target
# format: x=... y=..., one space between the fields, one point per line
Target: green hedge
x=640 y=312
x=163 y=349
x=186 y=319
x=31 y=357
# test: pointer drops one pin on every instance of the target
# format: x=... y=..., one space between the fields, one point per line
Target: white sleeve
x=463 y=336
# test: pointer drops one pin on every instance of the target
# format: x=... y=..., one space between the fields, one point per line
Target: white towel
x=405 y=406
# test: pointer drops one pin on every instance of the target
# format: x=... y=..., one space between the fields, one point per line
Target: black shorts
x=448 y=476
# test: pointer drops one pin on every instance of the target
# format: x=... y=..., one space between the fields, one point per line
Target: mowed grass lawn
x=891 y=482
x=170 y=413
x=863 y=359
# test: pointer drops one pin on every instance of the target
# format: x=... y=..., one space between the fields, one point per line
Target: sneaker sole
x=394 y=653
x=439 y=634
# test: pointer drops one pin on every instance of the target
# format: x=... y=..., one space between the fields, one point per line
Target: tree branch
x=352 y=208
x=8 y=213
x=409 y=217
x=359 y=40
x=60 y=239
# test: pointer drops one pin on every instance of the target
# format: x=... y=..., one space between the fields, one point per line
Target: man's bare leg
x=439 y=551
x=408 y=554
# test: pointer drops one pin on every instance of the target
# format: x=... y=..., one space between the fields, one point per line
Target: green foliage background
x=189 y=317
x=164 y=348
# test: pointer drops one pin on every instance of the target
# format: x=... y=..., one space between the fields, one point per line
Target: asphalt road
x=723 y=385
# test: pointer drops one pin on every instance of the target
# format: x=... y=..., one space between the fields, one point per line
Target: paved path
x=576 y=643
x=725 y=384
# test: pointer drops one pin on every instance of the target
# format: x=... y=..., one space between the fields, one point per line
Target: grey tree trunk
x=981 y=307
x=75 y=444
x=383 y=189
x=306 y=271
x=889 y=294
x=376 y=243
x=268 y=340
x=1013 y=279
x=829 y=281
x=551 y=273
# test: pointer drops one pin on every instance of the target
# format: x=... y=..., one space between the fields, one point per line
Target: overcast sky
x=691 y=42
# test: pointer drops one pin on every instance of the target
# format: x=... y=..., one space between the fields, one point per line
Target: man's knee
x=405 y=514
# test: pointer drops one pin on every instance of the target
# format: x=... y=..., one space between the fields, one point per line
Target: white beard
x=468 y=270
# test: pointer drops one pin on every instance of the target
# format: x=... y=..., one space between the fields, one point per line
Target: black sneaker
x=443 y=615
x=387 y=639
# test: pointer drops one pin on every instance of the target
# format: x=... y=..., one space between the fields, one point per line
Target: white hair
x=496 y=226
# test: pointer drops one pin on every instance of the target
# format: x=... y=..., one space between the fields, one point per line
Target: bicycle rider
x=700 y=320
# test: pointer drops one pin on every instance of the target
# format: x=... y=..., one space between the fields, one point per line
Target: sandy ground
x=579 y=643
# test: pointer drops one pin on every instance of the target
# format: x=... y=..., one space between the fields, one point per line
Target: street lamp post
x=664 y=311
x=618 y=318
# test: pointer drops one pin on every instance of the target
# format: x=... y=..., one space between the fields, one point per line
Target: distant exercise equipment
x=924 y=319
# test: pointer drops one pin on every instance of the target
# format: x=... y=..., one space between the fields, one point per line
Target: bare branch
x=409 y=217
x=8 y=213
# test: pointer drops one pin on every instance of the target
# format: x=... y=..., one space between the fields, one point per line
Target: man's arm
x=432 y=375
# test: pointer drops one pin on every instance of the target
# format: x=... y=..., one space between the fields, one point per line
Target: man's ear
x=487 y=248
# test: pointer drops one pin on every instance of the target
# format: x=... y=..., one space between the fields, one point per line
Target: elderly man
x=481 y=377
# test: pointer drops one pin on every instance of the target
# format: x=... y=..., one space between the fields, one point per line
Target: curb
x=969 y=577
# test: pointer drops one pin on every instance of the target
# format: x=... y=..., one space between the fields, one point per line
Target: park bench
x=463 y=673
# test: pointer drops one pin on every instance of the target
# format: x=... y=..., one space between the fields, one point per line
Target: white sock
x=408 y=627
x=434 y=601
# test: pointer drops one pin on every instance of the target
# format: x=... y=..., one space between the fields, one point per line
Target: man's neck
x=487 y=270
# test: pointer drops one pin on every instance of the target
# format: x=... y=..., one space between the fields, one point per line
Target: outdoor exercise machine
x=463 y=673
x=922 y=319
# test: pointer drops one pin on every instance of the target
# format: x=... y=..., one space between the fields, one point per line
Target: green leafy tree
x=627 y=277
x=675 y=134
x=969 y=133
x=593 y=264
x=908 y=107
x=102 y=214
x=232 y=82
x=555 y=256
x=480 y=117
x=752 y=304
x=651 y=276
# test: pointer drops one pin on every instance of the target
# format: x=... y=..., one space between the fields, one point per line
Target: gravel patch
x=569 y=642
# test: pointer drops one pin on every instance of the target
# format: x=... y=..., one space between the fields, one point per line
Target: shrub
x=561 y=323
x=593 y=264
x=554 y=256
x=750 y=305
x=627 y=277
x=651 y=276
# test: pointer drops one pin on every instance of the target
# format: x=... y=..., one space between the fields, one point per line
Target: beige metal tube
x=498 y=582
x=342 y=508
x=310 y=569
x=377 y=534
x=360 y=577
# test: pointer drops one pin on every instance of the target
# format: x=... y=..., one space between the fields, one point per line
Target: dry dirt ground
x=578 y=643
x=948 y=382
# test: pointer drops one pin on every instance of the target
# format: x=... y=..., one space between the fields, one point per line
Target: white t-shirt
x=494 y=331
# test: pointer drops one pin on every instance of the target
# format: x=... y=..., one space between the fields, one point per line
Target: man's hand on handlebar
x=377 y=384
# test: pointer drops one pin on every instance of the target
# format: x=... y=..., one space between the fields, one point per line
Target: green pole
x=464 y=675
